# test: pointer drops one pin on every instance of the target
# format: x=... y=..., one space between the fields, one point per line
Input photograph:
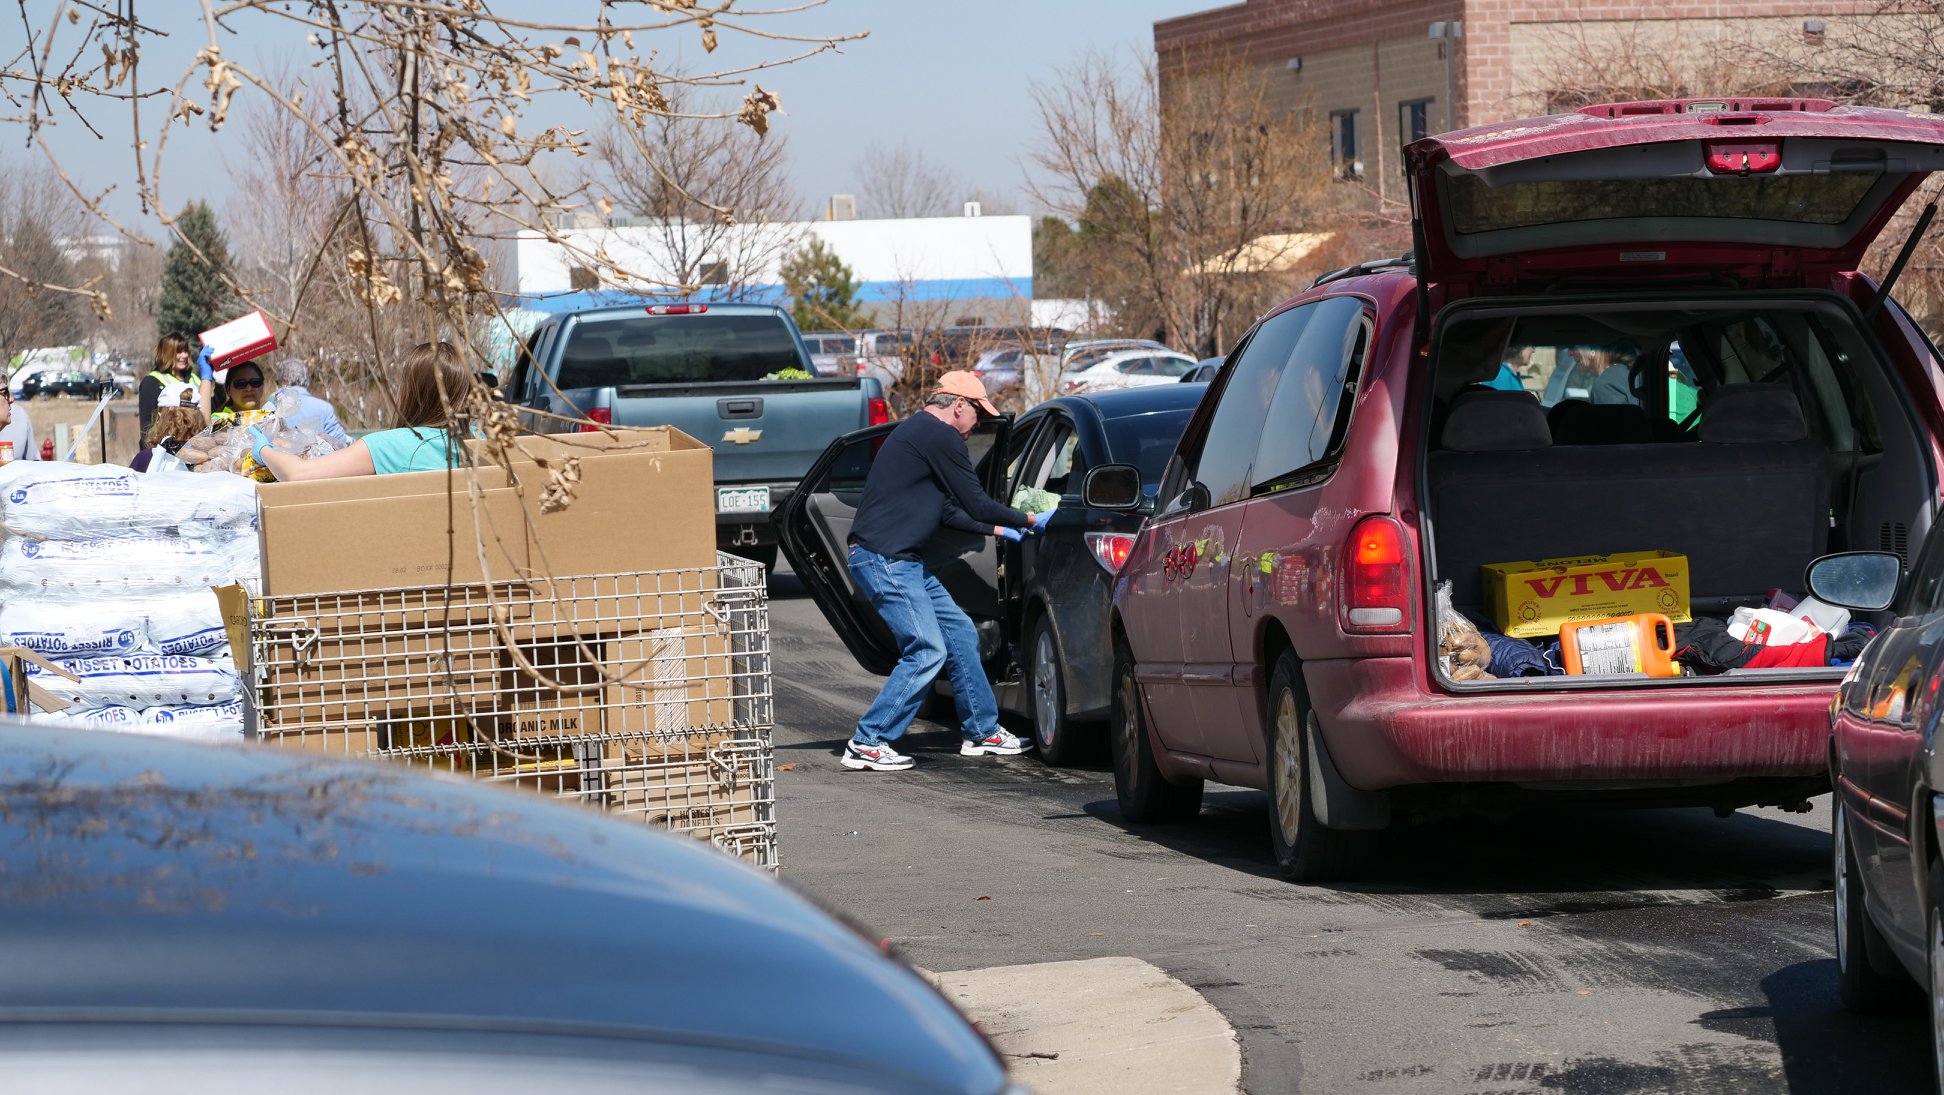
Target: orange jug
x=1642 y=643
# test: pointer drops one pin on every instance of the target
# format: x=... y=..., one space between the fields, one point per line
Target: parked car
x=1888 y=772
x=72 y=383
x=829 y=350
x=1203 y=372
x=880 y=355
x=1078 y=355
x=1128 y=369
x=1005 y=367
x=1274 y=624
x=704 y=369
x=234 y=918
x=1040 y=604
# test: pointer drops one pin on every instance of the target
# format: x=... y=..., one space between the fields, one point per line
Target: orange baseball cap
x=961 y=383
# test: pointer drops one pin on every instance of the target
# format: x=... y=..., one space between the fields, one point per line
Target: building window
x=1413 y=120
x=1343 y=143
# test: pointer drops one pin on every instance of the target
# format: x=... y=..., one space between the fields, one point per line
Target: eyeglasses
x=257 y=383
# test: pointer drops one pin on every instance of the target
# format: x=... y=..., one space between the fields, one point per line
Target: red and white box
x=244 y=338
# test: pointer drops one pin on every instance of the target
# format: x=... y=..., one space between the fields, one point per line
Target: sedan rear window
x=677 y=349
x=1803 y=199
x=1146 y=440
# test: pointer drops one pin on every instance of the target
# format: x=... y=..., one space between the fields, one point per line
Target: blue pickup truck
x=721 y=373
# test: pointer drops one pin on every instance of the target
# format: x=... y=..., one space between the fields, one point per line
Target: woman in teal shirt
x=434 y=379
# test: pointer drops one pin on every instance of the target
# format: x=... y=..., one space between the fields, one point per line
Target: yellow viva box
x=1529 y=599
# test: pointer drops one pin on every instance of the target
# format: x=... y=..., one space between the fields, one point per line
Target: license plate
x=742 y=499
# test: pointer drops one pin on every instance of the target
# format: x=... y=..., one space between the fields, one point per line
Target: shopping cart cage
x=646 y=694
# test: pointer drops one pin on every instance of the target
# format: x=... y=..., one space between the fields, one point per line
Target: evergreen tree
x=194 y=296
x=823 y=290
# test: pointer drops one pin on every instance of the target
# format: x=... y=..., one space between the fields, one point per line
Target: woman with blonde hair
x=434 y=384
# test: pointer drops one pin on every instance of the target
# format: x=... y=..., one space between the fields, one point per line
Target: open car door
x=1768 y=192
x=813 y=528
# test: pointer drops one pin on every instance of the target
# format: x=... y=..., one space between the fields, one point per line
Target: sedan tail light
x=1110 y=549
x=596 y=418
x=1377 y=577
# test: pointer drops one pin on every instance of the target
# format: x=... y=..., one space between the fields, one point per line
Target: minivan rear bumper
x=1384 y=730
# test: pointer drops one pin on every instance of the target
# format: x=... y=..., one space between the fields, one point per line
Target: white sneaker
x=1003 y=743
x=878 y=758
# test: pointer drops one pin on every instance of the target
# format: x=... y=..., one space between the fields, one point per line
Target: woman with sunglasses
x=243 y=391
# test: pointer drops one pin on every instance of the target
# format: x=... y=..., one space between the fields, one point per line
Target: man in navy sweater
x=923 y=478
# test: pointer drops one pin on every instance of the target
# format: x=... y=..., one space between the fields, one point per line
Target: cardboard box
x=1531 y=599
x=644 y=501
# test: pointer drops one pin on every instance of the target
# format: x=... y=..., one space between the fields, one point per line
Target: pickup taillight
x=880 y=411
x=596 y=418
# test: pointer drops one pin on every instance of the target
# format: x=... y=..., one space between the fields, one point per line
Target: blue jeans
x=932 y=631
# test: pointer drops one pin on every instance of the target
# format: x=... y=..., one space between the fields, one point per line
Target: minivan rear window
x=1803 y=199
x=676 y=349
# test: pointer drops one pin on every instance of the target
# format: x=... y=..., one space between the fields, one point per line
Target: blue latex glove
x=1013 y=534
x=259 y=441
x=1036 y=522
x=203 y=367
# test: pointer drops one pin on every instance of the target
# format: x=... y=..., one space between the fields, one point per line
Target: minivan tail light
x=596 y=418
x=1376 y=577
x=880 y=411
x=677 y=309
x=1110 y=549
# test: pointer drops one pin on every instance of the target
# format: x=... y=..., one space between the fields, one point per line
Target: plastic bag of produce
x=189 y=623
x=58 y=501
x=74 y=628
x=135 y=564
x=211 y=722
x=94 y=718
x=195 y=507
x=142 y=680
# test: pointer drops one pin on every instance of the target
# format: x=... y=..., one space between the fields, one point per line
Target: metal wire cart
x=644 y=694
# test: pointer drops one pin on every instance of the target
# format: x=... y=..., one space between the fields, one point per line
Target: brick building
x=1389 y=71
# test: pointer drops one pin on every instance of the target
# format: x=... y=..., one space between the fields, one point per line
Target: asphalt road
x=1583 y=952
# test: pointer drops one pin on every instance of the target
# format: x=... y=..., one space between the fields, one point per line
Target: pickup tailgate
x=762 y=432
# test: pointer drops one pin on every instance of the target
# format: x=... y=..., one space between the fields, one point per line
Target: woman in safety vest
x=172 y=365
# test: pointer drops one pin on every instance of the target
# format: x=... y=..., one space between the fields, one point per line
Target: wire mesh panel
x=646 y=694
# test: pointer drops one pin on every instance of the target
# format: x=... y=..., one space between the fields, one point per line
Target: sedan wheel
x=1937 y=982
x=1861 y=986
x=1051 y=730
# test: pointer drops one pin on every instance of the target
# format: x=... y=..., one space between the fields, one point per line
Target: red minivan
x=1639 y=327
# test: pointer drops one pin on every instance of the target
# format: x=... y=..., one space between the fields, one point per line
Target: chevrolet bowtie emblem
x=741 y=435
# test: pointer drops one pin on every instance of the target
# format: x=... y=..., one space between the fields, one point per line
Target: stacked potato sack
x=108 y=572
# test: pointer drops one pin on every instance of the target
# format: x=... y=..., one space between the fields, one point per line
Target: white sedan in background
x=1127 y=369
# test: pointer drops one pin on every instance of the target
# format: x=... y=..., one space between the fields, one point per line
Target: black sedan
x=75 y=384
x=246 y=919
x=1041 y=605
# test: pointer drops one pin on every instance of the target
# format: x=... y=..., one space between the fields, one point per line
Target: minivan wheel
x=1144 y=795
x=1305 y=849
x=1861 y=986
x=1051 y=730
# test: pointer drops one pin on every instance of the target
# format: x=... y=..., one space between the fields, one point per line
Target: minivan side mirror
x=1112 y=487
x=1865 y=580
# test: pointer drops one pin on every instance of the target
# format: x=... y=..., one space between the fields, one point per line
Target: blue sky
x=951 y=80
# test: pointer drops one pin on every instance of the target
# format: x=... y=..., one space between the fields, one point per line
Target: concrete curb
x=1100 y=1025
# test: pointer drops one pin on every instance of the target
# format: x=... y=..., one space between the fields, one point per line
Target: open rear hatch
x=1687 y=455
x=1751 y=192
